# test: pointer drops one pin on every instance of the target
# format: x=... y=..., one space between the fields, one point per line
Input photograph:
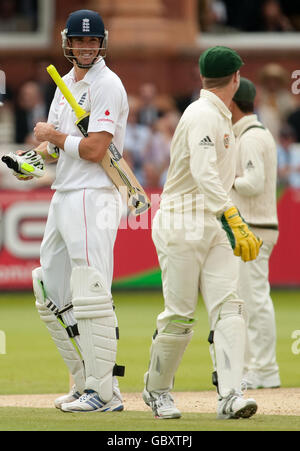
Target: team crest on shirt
x=226 y=141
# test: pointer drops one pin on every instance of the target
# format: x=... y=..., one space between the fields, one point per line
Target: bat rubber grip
x=10 y=163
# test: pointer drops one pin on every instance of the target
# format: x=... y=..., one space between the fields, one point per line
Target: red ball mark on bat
x=107 y=113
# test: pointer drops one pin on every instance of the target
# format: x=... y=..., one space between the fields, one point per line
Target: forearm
x=252 y=182
x=92 y=148
x=56 y=138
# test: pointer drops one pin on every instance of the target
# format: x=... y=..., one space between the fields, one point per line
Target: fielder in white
x=73 y=284
x=254 y=193
x=195 y=254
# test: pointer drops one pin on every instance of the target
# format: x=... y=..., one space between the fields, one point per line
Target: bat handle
x=10 y=163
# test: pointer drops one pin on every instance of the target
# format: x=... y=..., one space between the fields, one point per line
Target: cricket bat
x=113 y=163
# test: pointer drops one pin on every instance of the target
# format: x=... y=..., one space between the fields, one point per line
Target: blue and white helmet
x=84 y=22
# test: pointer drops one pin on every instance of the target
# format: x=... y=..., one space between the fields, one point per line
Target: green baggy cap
x=219 y=61
x=246 y=91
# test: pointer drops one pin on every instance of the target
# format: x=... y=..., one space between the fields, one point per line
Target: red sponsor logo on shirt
x=104 y=119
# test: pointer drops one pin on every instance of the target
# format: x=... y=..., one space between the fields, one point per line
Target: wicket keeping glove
x=243 y=242
x=25 y=164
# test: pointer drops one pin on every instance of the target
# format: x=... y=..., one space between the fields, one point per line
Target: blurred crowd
x=152 y=120
x=18 y=17
x=229 y=16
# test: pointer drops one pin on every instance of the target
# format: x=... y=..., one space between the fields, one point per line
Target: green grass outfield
x=32 y=365
x=27 y=419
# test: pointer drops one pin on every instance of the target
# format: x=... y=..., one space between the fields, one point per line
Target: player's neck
x=238 y=115
x=79 y=73
x=224 y=94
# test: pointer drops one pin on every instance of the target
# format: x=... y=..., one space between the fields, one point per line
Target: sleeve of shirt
x=252 y=182
x=106 y=104
x=203 y=164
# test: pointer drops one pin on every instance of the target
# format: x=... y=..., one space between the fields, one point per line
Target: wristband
x=71 y=146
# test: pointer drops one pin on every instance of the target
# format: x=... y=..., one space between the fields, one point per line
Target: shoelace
x=86 y=396
x=165 y=400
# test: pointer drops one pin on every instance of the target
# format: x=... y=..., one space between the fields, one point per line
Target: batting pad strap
x=119 y=370
x=211 y=337
x=72 y=331
x=55 y=310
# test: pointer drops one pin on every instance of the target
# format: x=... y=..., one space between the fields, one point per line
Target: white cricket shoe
x=70 y=397
x=235 y=406
x=162 y=404
x=91 y=402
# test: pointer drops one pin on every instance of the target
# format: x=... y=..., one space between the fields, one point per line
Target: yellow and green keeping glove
x=243 y=242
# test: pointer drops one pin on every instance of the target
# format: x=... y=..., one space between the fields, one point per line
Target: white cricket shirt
x=203 y=156
x=254 y=192
x=102 y=93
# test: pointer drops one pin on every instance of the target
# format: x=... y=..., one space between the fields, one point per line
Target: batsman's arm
x=91 y=148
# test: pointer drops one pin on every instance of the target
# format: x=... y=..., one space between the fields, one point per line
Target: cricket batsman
x=73 y=284
x=202 y=166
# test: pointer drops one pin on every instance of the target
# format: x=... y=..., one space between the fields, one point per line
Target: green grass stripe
x=27 y=419
x=147 y=279
x=33 y=365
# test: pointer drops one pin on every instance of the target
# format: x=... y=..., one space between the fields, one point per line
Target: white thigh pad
x=93 y=310
x=66 y=347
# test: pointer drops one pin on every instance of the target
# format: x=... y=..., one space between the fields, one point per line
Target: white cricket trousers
x=80 y=231
x=254 y=289
x=207 y=263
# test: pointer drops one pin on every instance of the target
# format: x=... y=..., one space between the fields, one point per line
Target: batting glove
x=25 y=164
x=243 y=242
x=53 y=150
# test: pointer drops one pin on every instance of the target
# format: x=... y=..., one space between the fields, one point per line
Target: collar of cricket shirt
x=204 y=93
x=244 y=123
x=92 y=73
